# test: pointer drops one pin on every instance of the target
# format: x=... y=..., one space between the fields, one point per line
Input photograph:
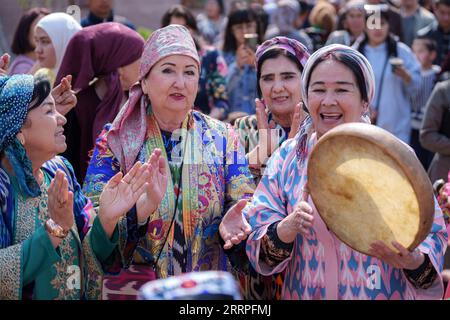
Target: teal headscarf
x=16 y=94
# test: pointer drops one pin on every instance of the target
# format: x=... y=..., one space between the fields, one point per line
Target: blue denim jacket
x=241 y=86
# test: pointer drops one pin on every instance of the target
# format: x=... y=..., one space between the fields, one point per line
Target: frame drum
x=367 y=185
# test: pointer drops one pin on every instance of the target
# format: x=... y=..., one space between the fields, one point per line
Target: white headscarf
x=60 y=27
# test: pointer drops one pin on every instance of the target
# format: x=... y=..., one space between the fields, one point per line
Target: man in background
x=103 y=11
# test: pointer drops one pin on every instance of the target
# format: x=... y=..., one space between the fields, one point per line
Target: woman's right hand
x=268 y=137
x=244 y=56
x=60 y=201
x=297 y=118
x=155 y=188
x=299 y=221
x=120 y=195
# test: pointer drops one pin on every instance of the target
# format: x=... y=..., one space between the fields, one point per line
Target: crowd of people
x=127 y=159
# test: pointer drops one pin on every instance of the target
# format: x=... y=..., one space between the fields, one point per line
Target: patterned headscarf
x=167 y=41
x=128 y=130
x=369 y=80
x=294 y=47
x=16 y=93
x=354 y=55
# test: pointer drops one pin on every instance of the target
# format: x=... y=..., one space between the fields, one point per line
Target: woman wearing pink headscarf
x=206 y=168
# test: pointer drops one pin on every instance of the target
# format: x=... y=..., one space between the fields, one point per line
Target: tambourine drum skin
x=367 y=185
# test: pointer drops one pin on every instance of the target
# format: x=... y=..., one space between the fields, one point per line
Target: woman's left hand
x=65 y=98
x=404 y=259
x=234 y=228
x=120 y=194
x=403 y=73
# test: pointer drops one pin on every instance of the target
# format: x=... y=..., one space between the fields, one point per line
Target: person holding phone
x=239 y=53
x=395 y=77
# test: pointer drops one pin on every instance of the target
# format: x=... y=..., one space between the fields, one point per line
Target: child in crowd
x=425 y=50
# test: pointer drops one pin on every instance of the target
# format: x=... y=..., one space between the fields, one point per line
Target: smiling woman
x=335 y=97
x=206 y=170
x=279 y=63
x=289 y=235
x=49 y=231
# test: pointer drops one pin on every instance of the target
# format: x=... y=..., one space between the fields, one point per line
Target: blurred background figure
x=240 y=58
x=323 y=18
x=104 y=63
x=394 y=17
x=284 y=23
x=428 y=4
x=204 y=285
x=395 y=78
x=212 y=22
x=435 y=130
x=351 y=24
x=212 y=96
x=414 y=18
x=23 y=44
x=303 y=17
x=103 y=11
x=440 y=31
x=52 y=35
x=425 y=51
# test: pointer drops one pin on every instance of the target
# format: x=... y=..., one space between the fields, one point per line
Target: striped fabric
x=420 y=97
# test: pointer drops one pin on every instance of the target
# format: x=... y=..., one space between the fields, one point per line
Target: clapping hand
x=234 y=228
x=297 y=118
x=60 y=204
x=268 y=137
x=155 y=188
x=120 y=195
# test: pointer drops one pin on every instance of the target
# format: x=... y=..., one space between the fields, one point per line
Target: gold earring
x=21 y=140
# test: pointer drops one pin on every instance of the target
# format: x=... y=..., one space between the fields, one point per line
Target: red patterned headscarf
x=128 y=130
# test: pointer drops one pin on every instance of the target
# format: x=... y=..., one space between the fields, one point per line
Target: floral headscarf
x=16 y=93
x=128 y=130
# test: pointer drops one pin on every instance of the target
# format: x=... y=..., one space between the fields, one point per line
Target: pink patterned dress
x=321 y=266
